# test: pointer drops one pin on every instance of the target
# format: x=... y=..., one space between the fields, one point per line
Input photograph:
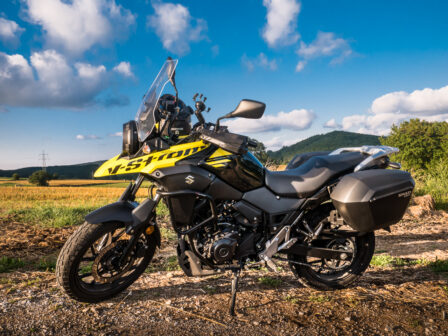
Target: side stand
x=236 y=275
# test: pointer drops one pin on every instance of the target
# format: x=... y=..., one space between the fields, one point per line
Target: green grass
x=168 y=233
x=50 y=216
x=47 y=264
x=439 y=266
x=291 y=299
x=319 y=298
x=168 y=264
x=270 y=282
x=445 y=289
x=384 y=260
x=8 y=264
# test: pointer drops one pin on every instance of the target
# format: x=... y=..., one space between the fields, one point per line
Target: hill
x=323 y=142
x=76 y=171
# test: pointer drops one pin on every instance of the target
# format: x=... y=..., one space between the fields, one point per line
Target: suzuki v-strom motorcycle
x=229 y=211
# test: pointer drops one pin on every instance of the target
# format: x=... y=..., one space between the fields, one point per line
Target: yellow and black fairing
x=148 y=163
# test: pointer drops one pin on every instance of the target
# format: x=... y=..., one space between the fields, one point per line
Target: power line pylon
x=44 y=157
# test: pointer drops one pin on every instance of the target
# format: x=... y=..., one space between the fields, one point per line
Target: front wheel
x=90 y=267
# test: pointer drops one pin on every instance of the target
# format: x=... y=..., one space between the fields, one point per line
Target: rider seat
x=309 y=177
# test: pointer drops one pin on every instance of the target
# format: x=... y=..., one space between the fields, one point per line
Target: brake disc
x=106 y=258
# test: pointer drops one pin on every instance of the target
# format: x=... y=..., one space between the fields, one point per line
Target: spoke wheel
x=321 y=273
x=91 y=266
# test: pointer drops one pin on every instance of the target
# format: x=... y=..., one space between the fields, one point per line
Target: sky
x=72 y=72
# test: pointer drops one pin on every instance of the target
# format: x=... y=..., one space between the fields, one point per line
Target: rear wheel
x=90 y=267
x=329 y=274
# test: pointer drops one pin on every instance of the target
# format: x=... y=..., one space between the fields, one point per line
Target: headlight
x=130 y=138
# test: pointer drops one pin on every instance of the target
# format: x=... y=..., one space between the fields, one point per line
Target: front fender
x=115 y=212
x=128 y=213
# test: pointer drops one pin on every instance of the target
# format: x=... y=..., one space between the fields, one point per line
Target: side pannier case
x=373 y=199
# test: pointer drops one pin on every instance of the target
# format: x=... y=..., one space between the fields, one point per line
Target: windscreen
x=145 y=115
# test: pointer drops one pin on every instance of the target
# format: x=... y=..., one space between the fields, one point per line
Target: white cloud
x=277 y=142
x=116 y=134
x=78 y=25
x=124 y=68
x=296 y=120
x=10 y=31
x=55 y=83
x=87 y=137
x=395 y=107
x=325 y=45
x=332 y=124
x=419 y=102
x=280 y=28
x=175 y=27
x=300 y=66
x=260 y=61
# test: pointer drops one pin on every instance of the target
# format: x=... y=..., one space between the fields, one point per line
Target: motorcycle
x=229 y=212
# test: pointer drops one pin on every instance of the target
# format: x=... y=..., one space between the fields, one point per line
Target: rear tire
x=365 y=246
x=74 y=250
x=337 y=277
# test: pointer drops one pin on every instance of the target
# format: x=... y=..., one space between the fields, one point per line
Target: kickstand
x=236 y=274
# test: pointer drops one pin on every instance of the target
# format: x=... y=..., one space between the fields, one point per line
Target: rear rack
x=374 y=152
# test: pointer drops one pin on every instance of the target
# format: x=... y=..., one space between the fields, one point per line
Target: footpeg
x=270 y=264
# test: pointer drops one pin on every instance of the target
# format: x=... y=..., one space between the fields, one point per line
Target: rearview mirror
x=250 y=109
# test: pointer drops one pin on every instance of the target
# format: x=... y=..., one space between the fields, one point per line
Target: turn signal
x=150 y=229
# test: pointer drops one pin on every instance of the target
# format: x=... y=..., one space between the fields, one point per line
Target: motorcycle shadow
x=257 y=284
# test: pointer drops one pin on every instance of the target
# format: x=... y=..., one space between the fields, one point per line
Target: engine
x=232 y=238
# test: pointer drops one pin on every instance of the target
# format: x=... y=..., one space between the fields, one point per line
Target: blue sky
x=72 y=72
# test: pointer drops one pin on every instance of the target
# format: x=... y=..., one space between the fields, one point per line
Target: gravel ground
x=399 y=300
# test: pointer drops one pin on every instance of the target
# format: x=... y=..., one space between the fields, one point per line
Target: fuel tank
x=243 y=172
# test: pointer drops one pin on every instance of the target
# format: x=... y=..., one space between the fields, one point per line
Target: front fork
x=142 y=215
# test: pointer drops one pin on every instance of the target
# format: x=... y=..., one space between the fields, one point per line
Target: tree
x=55 y=176
x=261 y=154
x=421 y=143
x=15 y=177
x=40 y=178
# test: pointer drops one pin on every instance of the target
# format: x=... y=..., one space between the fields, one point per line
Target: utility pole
x=44 y=157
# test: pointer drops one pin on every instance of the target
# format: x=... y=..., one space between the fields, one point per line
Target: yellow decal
x=148 y=163
x=219 y=158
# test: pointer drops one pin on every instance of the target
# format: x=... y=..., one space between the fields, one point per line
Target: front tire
x=79 y=254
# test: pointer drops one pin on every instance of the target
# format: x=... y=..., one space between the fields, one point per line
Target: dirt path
x=404 y=300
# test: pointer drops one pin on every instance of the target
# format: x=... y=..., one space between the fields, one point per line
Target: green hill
x=323 y=142
x=76 y=171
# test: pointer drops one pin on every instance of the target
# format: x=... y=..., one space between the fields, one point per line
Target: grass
x=319 y=298
x=169 y=264
x=168 y=234
x=385 y=260
x=47 y=264
x=445 y=289
x=49 y=216
x=9 y=264
x=270 y=282
x=435 y=183
x=61 y=205
x=439 y=266
x=291 y=299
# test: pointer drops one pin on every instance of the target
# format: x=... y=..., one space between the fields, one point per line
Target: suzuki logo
x=189 y=179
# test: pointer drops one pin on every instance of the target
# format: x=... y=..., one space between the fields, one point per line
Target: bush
x=15 y=177
x=421 y=143
x=435 y=183
x=40 y=178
